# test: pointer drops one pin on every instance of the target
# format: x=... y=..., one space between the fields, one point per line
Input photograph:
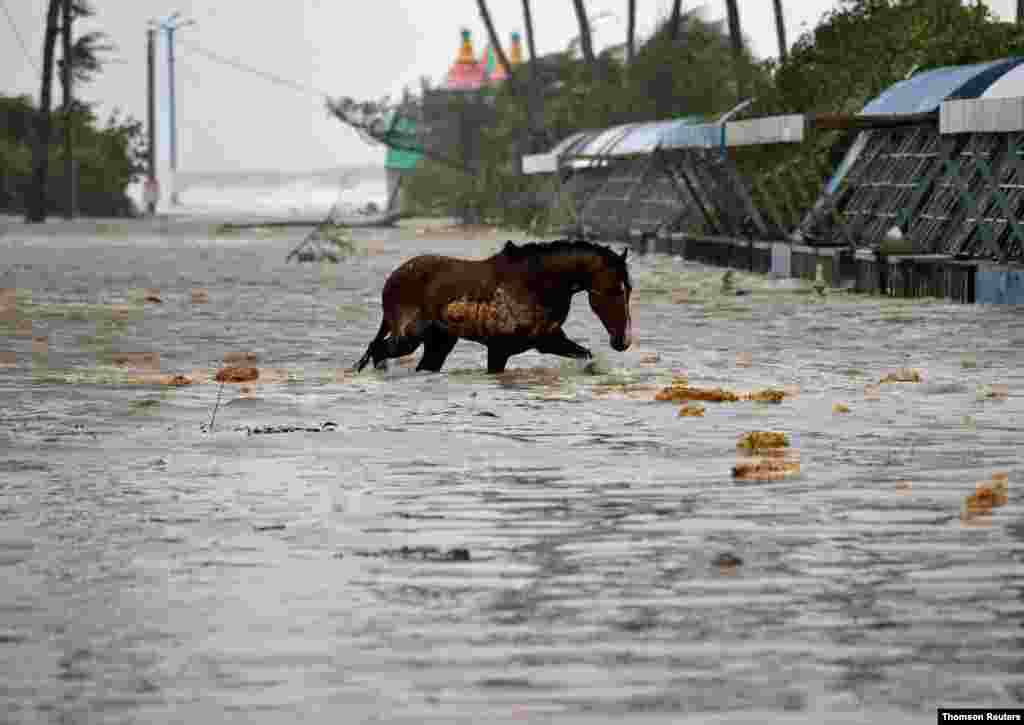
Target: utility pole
x=66 y=78
x=151 y=194
x=170 y=26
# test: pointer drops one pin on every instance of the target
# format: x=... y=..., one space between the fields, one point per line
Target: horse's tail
x=381 y=334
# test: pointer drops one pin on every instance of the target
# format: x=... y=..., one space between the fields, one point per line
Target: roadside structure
x=936 y=159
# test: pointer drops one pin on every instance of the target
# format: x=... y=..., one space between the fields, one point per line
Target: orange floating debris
x=691 y=411
x=237 y=374
x=902 y=375
x=759 y=439
x=677 y=393
x=23 y=328
x=766 y=396
x=152 y=295
x=647 y=358
x=136 y=360
x=987 y=496
x=744 y=360
x=240 y=358
x=768 y=469
x=200 y=296
x=904 y=486
x=872 y=392
x=680 y=296
x=8 y=359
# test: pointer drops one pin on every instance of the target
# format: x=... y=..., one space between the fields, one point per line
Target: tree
x=736 y=36
x=675 y=18
x=485 y=15
x=631 y=31
x=36 y=204
x=586 y=39
x=535 y=94
x=863 y=46
x=780 y=30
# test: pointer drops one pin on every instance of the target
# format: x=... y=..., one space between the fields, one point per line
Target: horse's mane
x=564 y=246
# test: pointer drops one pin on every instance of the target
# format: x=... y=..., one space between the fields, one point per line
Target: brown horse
x=512 y=302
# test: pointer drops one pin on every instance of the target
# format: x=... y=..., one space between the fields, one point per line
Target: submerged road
x=549 y=545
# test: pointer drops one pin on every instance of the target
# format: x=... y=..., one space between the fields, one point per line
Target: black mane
x=564 y=246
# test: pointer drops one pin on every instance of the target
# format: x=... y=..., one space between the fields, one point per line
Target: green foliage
x=863 y=46
x=109 y=156
x=854 y=53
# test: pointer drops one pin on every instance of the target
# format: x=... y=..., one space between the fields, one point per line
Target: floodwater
x=551 y=545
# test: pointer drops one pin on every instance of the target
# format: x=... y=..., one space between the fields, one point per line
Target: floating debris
x=649 y=358
x=760 y=439
x=691 y=411
x=174 y=381
x=680 y=296
x=902 y=375
x=624 y=391
x=327 y=427
x=677 y=393
x=768 y=469
x=727 y=563
x=423 y=553
x=152 y=295
x=766 y=396
x=872 y=392
x=136 y=360
x=200 y=296
x=744 y=359
x=237 y=374
x=996 y=391
x=987 y=496
x=968 y=361
x=904 y=487
x=530 y=376
x=241 y=358
x=269 y=527
x=840 y=408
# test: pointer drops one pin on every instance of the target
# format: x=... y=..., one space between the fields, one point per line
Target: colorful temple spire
x=466 y=74
x=495 y=71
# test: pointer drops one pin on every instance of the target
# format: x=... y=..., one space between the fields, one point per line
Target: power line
x=239 y=66
x=17 y=34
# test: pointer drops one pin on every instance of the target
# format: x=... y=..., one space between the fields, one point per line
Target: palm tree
x=485 y=15
x=780 y=30
x=631 y=31
x=586 y=40
x=736 y=36
x=677 y=14
x=35 y=203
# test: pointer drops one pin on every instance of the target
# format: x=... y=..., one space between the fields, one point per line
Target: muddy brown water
x=154 y=572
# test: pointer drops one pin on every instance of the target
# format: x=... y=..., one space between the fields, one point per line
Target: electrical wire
x=17 y=34
x=239 y=66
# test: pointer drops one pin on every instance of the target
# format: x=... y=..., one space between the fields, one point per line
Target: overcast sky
x=231 y=120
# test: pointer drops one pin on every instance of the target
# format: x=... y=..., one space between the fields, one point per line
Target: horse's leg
x=374 y=344
x=437 y=343
x=395 y=347
x=558 y=344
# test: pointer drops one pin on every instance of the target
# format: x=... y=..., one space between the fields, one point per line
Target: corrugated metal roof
x=924 y=92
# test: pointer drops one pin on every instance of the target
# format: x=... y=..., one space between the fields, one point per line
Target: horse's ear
x=509 y=246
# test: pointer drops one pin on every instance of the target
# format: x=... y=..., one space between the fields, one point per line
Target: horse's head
x=609 y=290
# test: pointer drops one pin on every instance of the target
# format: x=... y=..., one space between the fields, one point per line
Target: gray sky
x=230 y=120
